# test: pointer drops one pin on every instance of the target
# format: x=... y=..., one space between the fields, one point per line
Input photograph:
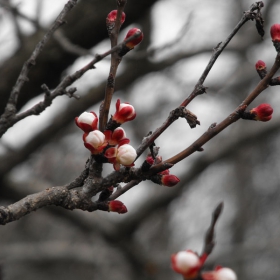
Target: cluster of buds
x=189 y=264
x=161 y=178
x=275 y=36
x=113 y=143
x=261 y=113
x=137 y=33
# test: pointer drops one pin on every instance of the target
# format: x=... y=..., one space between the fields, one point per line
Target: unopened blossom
x=131 y=44
x=262 y=113
x=115 y=137
x=124 y=112
x=121 y=155
x=187 y=263
x=169 y=180
x=275 y=32
x=87 y=121
x=112 y=16
x=220 y=273
x=117 y=206
x=260 y=65
x=95 y=141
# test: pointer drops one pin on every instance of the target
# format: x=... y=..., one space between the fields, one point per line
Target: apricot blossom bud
x=124 y=112
x=260 y=65
x=275 y=32
x=186 y=263
x=87 y=121
x=95 y=141
x=275 y=35
x=169 y=180
x=262 y=113
x=150 y=160
x=117 y=206
x=112 y=16
x=124 y=154
x=114 y=138
x=131 y=44
x=220 y=273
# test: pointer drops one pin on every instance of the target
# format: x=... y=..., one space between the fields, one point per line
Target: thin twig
x=233 y=117
x=115 y=61
x=6 y=123
x=199 y=88
x=11 y=109
x=209 y=241
x=124 y=189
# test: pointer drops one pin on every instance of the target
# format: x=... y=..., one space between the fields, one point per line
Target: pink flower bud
x=262 y=113
x=95 y=141
x=87 y=121
x=112 y=16
x=136 y=41
x=124 y=154
x=150 y=160
x=124 y=112
x=220 y=273
x=117 y=206
x=118 y=135
x=169 y=180
x=275 y=32
x=186 y=263
x=260 y=65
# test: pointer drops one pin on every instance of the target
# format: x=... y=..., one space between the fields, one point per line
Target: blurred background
x=240 y=166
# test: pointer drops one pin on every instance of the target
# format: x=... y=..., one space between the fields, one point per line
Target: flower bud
x=95 y=141
x=150 y=160
x=112 y=16
x=169 y=180
x=262 y=113
x=147 y=164
x=87 y=121
x=117 y=206
x=131 y=44
x=261 y=68
x=186 y=263
x=124 y=154
x=275 y=32
x=124 y=112
x=275 y=35
x=220 y=273
x=260 y=65
x=114 y=138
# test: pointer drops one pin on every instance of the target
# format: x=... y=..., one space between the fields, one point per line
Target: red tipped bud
x=220 y=273
x=275 y=35
x=260 y=65
x=124 y=154
x=150 y=160
x=117 y=206
x=169 y=180
x=87 y=121
x=186 y=263
x=131 y=44
x=112 y=16
x=262 y=113
x=275 y=32
x=124 y=112
x=95 y=141
x=116 y=137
